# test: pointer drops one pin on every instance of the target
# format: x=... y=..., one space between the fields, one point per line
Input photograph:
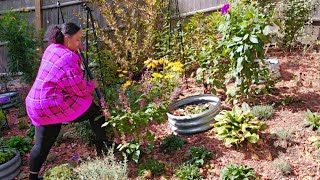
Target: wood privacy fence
x=44 y=13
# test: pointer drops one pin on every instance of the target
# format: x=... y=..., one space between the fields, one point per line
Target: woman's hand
x=95 y=82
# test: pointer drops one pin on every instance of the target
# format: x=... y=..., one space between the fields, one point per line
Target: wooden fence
x=72 y=10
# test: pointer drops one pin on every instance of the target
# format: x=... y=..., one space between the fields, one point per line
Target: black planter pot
x=10 y=169
x=195 y=123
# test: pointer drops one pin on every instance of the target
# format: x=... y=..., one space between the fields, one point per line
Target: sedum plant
x=237 y=125
x=63 y=172
x=262 y=112
x=313 y=120
x=234 y=172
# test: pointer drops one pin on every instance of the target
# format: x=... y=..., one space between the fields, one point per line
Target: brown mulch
x=300 y=80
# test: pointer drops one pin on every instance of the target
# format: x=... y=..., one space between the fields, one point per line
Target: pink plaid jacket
x=59 y=93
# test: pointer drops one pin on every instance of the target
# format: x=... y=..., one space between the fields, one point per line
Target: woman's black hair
x=55 y=33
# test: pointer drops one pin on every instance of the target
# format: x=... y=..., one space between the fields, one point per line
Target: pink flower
x=225 y=9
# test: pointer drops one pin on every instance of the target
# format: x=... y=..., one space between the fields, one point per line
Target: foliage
x=282 y=166
x=237 y=125
x=172 y=143
x=262 y=112
x=188 y=172
x=293 y=16
x=131 y=148
x=105 y=168
x=152 y=165
x=63 y=172
x=284 y=134
x=315 y=141
x=6 y=154
x=2 y=118
x=199 y=155
x=286 y=100
x=132 y=25
x=22 y=123
x=313 y=120
x=21 y=44
x=21 y=144
x=31 y=132
x=83 y=130
x=235 y=172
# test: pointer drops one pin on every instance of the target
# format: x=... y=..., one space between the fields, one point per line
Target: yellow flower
x=147 y=61
x=157 y=75
x=121 y=75
x=125 y=72
x=126 y=84
x=169 y=76
x=119 y=70
x=151 y=65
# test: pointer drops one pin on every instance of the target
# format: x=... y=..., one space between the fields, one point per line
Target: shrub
x=6 y=154
x=234 y=172
x=63 y=172
x=188 y=172
x=199 y=155
x=313 y=120
x=172 y=143
x=21 y=44
x=237 y=125
x=31 y=132
x=262 y=112
x=104 y=168
x=21 y=144
x=154 y=166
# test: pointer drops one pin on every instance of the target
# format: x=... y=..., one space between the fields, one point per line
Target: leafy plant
x=63 y=172
x=83 y=130
x=21 y=44
x=104 y=168
x=284 y=134
x=31 y=132
x=172 y=143
x=282 y=166
x=237 y=125
x=313 y=120
x=6 y=154
x=188 y=172
x=315 y=141
x=199 y=155
x=21 y=144
x=154 y=166
x=294 y=15
x=235 y=172
x=22 y=124
x=131 y=148
x=287 y=99
x=262 y=112
x=2 y=118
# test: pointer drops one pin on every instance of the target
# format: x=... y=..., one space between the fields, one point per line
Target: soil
x=298 y=89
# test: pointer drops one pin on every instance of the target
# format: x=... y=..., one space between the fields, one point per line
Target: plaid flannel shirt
x=60 y=93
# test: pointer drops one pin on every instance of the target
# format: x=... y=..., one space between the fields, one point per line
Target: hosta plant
x=237 y=125
x=313 y=120
x=199 y=155
x=234 y=172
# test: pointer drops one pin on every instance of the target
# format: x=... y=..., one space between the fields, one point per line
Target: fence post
x=38 y=22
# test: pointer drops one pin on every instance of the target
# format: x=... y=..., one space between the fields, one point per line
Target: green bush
x=172 y=143
x=199 y=155
x=262 y=112
x=61 y=172
x=21 y=144
x=188 y=172
x=234 y=172
x=313 y=120
x=6 y=154
x=21 y=45
x=237 y=125
x=105 y=168
x=31 y=132
x=154 y=166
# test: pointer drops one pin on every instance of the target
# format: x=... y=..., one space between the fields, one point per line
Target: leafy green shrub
x=105 y=168
x=296 y=13
x=262 y=112
x=188 y=172
x=313 y=120
x=21 y=144
x=6 y=154
x=172 y=143
x=21 y=44
x=31 y=132
x=234 y=172
x=237 y=125
x=63 y=172
x=154 y=166
x=199 y=155
x=282 y=166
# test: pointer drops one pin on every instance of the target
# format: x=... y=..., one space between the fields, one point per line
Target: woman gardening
x=61 y=94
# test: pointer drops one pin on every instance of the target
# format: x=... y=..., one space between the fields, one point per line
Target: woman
x=60 y=94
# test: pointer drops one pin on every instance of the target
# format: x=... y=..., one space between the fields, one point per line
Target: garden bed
x=284 y=144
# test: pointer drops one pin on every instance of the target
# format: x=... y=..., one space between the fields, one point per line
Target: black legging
x=46 y=136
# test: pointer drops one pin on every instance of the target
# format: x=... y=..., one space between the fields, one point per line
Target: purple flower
x=225 y=9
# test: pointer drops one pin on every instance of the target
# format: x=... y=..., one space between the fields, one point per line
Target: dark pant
x=46 y=136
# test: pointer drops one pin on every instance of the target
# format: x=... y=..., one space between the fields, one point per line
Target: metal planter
x=11 y=169
x=195 y=123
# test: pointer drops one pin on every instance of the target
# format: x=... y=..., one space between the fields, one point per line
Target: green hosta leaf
x=236 y=39
x=254 y=39
x=253 y=138
x=266 y=30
